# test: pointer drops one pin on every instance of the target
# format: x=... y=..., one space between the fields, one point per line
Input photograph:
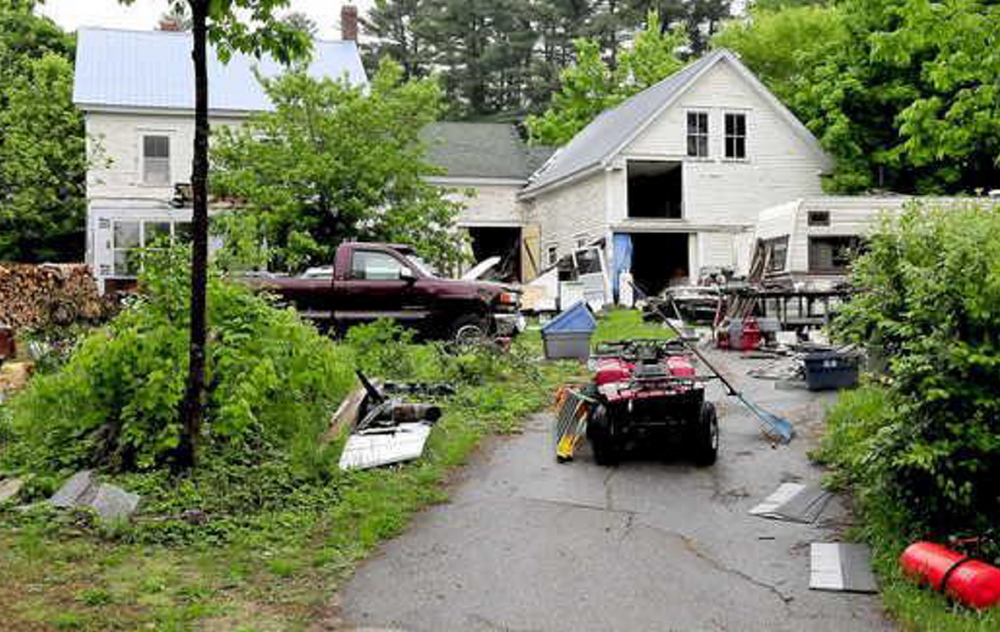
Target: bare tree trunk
x=192 y=408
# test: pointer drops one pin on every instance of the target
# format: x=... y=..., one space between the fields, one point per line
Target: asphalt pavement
x=653 y=544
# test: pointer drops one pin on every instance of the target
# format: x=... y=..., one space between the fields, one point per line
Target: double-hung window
x=697 y=134
x=736 y=136
x=156 y=160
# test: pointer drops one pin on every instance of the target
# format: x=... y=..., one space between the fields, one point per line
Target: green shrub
x=930 y=300
x=272 y=380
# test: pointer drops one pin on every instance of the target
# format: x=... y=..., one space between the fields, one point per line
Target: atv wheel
x=706 y=436
x=603 y=442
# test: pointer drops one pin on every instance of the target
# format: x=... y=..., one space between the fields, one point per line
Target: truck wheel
x=469 y=329
x=603 y=442
x=706 y=436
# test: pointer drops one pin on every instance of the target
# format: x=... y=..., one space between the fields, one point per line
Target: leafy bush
x=272 y=380
x=930 y=300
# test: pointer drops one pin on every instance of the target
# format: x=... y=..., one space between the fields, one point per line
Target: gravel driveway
x=527 y=544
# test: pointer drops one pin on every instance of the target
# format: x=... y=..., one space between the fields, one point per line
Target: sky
x=145 y=14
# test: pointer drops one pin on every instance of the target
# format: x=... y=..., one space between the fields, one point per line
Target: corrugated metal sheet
x=153 y=69
x=613 y=127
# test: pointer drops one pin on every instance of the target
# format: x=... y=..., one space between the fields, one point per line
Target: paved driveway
x=527 y=544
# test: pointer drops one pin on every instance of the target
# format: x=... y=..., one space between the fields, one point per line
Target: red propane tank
x=972 y=582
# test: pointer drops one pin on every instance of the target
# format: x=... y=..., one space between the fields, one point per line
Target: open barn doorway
x=654 y=189
x=498 y=241
x=660 y=260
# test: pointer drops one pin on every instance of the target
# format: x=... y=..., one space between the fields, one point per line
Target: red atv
x=646 y=391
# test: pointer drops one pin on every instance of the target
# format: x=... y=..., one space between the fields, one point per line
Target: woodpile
x=49 y=294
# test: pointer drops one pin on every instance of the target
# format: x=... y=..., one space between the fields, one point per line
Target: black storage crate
x=829 y=370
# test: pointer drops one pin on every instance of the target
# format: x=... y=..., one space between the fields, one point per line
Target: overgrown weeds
x=920 y=446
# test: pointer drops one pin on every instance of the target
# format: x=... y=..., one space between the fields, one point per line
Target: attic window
x=156 y=160
x=697 y=134
x=736 y=136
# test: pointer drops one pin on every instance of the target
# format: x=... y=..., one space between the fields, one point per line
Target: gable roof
x=481 y=150
x=613 y=129
x=153 y=69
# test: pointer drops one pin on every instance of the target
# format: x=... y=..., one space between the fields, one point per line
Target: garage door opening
x=654 y=189
x=660 y=260
x=500 y=242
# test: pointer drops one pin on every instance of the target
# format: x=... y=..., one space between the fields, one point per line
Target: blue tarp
x=623 y=260
x=575 y=320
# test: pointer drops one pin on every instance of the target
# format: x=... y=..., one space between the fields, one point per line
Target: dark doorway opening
x=654 y=189
x=500 y=242
x=659 y=260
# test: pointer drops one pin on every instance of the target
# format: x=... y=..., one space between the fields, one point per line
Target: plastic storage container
x=568 y=334
x=829 y=370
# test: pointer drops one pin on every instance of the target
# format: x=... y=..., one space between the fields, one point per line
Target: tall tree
x=224 y=22
x=394 y=27
x=43 y=165
x=902 y=92
x=700 y=18
x=42 y=146
x=591 y=85
x=176 y=18
x=334 y=162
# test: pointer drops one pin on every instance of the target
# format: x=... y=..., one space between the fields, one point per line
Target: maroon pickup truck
x=371 y=281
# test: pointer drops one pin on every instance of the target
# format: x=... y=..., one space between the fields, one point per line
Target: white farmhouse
x=136 y=92
x=673 y=179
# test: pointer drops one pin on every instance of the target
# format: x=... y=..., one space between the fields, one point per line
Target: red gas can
x=751 y=334
x=972 y=582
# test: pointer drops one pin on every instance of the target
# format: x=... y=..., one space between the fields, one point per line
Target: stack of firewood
x=43 y=295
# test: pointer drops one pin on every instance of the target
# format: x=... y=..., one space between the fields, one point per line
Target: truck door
x=379 y=284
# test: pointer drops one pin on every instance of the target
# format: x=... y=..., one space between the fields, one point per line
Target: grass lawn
x=622 y=324
x=277 y=575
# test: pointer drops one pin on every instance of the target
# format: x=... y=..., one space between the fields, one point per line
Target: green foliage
x=930 y=284
x=334 y=162
x=903 y=93
x=272 y=380
x=623 y=324
x=591 y=85
x=42 y=148
x=382 y=348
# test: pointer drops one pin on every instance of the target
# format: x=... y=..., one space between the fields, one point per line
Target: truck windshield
x=421 y=265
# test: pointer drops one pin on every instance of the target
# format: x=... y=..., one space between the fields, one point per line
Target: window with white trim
x=736 y=136
x=156 y=160
x=552 y=255
x=697 y=134
x=129 y=237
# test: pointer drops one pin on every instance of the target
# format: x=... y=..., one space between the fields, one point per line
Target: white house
x=488 y=164
x=136 y=92
x=673 y=179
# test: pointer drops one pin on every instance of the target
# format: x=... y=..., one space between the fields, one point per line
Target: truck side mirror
x=408 y=276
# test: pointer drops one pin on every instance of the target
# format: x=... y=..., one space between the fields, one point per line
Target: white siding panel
x=115 y=142
x=780 y=166
x=570 y=211
x=490 y=204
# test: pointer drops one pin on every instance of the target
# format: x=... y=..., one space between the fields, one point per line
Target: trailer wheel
x=706 y=436
x=600 y=432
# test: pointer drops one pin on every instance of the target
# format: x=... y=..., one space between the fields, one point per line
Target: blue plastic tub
x=568 y=334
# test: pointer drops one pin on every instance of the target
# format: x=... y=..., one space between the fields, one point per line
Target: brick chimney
x=349 y=22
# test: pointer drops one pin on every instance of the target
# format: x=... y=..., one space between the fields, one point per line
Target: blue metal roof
x=153 y=69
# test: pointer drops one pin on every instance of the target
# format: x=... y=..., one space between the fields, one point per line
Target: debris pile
x=385 y=429
x=58 y=294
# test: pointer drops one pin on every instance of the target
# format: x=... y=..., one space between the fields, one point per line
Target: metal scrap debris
x=841 y=567
x=794 y=502
x=387 y=429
